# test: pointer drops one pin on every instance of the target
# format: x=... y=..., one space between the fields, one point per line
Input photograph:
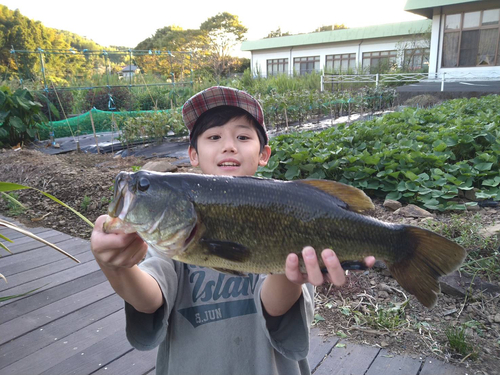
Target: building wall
x=438 y=25
x=259 y=58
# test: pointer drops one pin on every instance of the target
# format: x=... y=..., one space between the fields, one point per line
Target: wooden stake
x=95 y=136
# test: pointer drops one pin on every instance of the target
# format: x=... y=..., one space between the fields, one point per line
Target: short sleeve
x=147 y=331
x=290 y=337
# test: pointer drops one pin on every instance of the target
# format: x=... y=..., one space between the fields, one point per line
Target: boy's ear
x=264 y=156
x=193 y=156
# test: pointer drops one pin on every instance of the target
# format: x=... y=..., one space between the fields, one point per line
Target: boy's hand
x=335 y=275
x=116 y=250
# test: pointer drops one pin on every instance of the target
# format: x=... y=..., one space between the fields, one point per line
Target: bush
x=20 y=116
x=108 y=99
x=54 y=101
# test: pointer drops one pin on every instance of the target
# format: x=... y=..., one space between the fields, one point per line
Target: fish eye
x=143 y=184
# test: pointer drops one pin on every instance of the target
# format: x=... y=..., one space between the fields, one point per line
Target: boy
x=205 y=321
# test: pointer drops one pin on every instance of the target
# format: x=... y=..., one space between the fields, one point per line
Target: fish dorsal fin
x=355 y=198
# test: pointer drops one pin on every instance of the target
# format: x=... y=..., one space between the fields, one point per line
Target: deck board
x=75 y=324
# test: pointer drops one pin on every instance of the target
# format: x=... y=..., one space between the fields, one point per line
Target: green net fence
x=104 y=121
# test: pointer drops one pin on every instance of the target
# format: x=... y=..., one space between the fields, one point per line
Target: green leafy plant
x=85 y=203
x=20 y=116
x=14 y=207
x=428 y=157
x=458 y=341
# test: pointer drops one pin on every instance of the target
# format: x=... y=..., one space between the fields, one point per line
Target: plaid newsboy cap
x=218 y=96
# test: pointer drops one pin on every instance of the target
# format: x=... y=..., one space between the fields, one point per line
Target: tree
x=223 y=32
x=331 y=28
x=277 y=33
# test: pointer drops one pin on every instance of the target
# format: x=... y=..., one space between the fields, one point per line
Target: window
x=379 y=62
x=341 y=63
x=277 y=66
x=416 y=59
x=305 y=65
x=472 y=39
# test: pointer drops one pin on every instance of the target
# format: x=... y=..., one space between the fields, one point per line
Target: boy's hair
x=219 y=116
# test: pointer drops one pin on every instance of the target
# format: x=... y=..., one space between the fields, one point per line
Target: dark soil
x=84 y=181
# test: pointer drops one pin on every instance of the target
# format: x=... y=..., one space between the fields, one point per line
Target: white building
x=465 y=36
x=460 y=37
x=355 y=50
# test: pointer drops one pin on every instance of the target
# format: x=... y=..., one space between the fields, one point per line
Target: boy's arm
x=118 y=255
x=280 y=292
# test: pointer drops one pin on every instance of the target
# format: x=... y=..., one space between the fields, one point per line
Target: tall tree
x=224 y=31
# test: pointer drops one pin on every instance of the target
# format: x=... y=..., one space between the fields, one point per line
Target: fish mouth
x=121 y=203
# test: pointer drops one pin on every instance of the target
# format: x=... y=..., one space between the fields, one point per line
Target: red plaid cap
x=217 y=96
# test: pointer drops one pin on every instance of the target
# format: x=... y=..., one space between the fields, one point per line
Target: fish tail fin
x=429 y=257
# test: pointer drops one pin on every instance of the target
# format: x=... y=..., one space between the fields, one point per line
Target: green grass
x=459 y=342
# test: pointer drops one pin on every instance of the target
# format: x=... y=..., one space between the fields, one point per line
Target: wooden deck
x=74 y=323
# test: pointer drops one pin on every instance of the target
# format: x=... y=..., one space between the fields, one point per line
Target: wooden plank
x=60 y=350
x=37 y=339
x=37 y=318
x=41 y=256
x=15 y=235
x=351 y=359
x=48 y=296
x=18 y=237
x=59 y=266
x=51 y=281
x=319 y=348
x=53 y=237
x=108 y=349
x=433 y=366
x=134 y=362
x=388 y=364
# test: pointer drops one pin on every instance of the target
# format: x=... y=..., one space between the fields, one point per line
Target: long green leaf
x=2 y=299
x=8 y=186
x=29 y=234
x=5 y=238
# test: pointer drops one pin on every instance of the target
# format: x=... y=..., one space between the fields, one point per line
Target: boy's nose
x=229 y=147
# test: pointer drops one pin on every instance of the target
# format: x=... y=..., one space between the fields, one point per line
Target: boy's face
x=232 y=149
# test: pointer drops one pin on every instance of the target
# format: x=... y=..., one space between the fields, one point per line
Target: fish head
x=162 y=214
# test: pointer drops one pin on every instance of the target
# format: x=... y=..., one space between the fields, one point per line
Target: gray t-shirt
x=213 y=323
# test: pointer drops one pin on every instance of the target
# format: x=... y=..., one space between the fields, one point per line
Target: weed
x=85 y=203
x=136 y=168
x=482 y=258
x=14 y=207
x=459 y=343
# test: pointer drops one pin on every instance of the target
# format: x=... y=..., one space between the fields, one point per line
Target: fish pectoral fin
x=228 y=250
x=355 y=198
x=231 y=272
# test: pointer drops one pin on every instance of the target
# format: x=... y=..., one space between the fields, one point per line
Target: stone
x=496 y=319
x=385 y=287
x=490 y=231
x=383 y=294
x=413 y=211
x=392 y=204
x=159 y=166
x=458 y=284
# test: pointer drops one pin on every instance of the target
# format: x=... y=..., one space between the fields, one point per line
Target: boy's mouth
x=229 y=163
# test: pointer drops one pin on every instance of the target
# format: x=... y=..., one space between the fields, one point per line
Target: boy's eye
x=214 y=137
x=243 y=137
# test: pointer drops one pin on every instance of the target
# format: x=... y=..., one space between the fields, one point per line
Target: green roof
x=424 y=7
x=344 y=35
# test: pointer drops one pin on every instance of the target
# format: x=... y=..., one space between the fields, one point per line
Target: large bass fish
x=249 y=224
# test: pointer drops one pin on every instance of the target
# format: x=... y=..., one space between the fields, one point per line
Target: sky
x=127 y=23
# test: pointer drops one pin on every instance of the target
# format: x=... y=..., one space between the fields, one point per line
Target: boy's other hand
x=116 y=250
x=314 y=275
